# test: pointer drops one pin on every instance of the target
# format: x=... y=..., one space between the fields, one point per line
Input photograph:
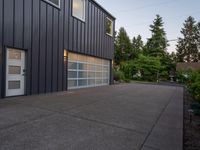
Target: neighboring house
x=54 y=45
x=188 y=66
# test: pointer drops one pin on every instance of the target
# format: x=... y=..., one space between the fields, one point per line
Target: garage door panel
x=86 y=71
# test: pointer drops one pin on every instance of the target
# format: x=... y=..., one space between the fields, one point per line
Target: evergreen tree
x=137 y=47
x=187 y=47
x=198 y=39
x=122 y=46
x=180 y=50
x=156 y=45
x=173 y=57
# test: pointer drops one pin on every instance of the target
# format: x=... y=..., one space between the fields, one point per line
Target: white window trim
x=82 y=19
x=111 y=27
x=48 y=1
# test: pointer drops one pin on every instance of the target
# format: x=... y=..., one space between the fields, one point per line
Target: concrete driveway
x=119 y=117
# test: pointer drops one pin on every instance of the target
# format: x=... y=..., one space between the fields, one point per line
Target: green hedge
x=192 y=80
x=143 y=68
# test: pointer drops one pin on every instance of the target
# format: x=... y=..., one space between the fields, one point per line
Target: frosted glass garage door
x=85 y=71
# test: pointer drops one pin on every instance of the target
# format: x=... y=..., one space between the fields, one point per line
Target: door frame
x=4 y=70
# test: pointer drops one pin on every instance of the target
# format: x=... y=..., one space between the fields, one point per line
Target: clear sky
x=137 y=15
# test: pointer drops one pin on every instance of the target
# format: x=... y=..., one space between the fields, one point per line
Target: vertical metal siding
x=89 y=28
x=18 y=23
x=75 y=35
x=86 y=27
x=8 y=22
x=61 y=45
x=79 y=38
x=44 y=32
x=42 y=57
x=55 y=52
x=28 y=41
x=70 y=21
x=49 y=48
x=35 y=46
x=82 y=38
x=1 y=44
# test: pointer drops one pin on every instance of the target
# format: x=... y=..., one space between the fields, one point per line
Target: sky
x=136 y=16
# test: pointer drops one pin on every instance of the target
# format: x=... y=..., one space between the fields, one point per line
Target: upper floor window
x=78 y=9
x=55 y=3
x=109 y=26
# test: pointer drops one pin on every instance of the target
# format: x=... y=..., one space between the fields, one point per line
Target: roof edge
x=99 y=5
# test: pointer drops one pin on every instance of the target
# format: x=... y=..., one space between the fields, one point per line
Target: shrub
x=185 y=76
x=118 y=75
x=146 y=66
x=128 y=68
x=192 y=80
x=194 y=85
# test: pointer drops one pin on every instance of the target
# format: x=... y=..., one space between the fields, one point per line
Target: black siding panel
x=71 y=28
x=27 y=41
x=89 y=29
x=1 y=46
x=95 y=32
x=61 y=48
x=92 y=50
x=49 y=49
x=42 y=59
x=27 y=23
x=35 y=45
x=79 y=37
x=8 y=22
x=68 y=21
x=75 y=35
x=82 y=38
x=103 y=37
x=55 y=52
x=67 y=14
x=86 y=28
x=100 y=40
x=18 y=23
x=28 y=15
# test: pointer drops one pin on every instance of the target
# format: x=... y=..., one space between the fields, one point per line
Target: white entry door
x=15 y=72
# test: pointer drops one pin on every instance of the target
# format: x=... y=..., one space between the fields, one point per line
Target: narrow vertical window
x=78 y=9
x=109 y=26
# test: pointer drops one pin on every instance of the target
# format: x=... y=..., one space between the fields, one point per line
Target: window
x=109 y=26
x=78 y=9
x=54 y=2
x=13 y=85
x=14 y=54
x=14 y=69
x=86 y=71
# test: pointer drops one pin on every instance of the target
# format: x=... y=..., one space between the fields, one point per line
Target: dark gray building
x=54 y=45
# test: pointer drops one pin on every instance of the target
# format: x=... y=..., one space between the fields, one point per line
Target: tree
x=147 y=66
x=137 y=47
x=168 y=62
x=180 y=50
x=187 y=47
x=157 y=44
x=122 y=46
x=198 y=39
x=173 y=57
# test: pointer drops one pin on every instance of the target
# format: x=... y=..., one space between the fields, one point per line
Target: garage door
x=85 y=71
